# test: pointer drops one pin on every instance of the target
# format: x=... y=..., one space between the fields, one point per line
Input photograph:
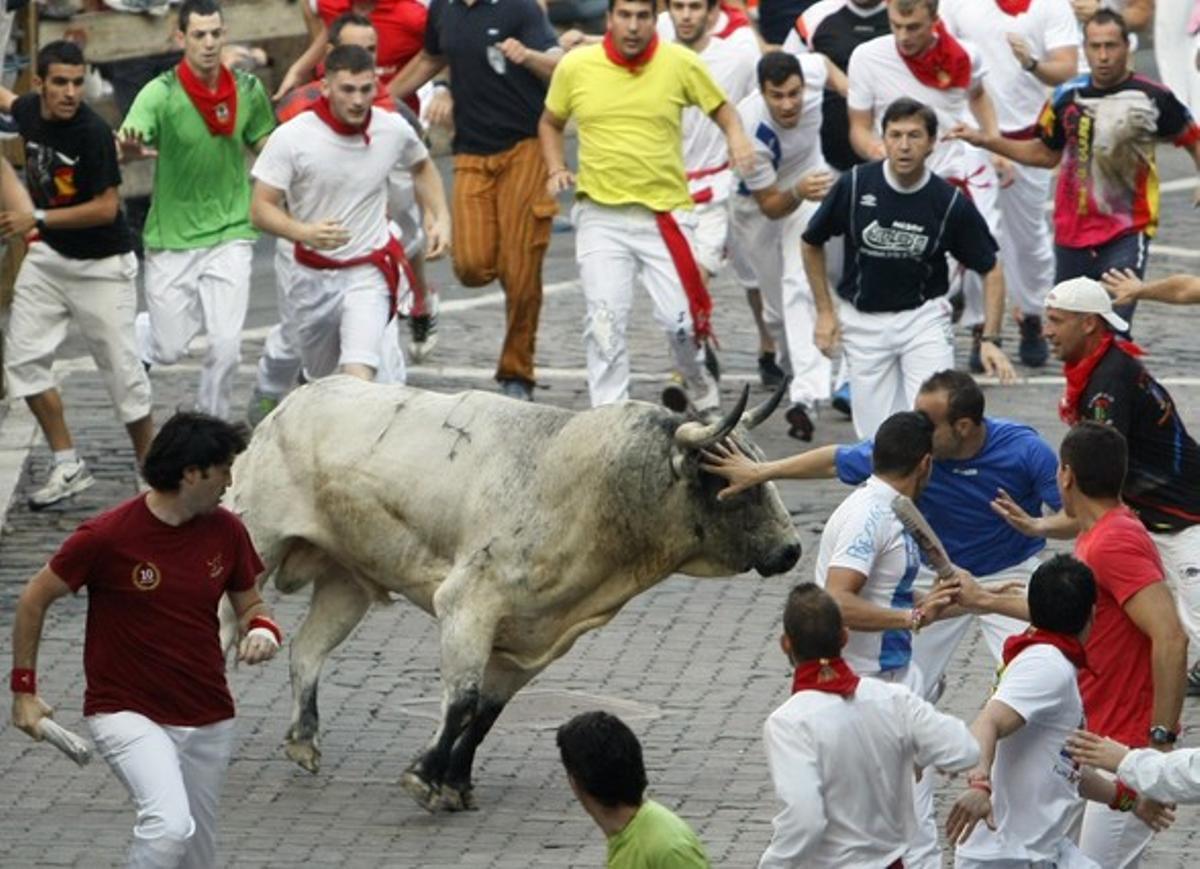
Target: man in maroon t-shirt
x=1134 y=685
x=156 y=701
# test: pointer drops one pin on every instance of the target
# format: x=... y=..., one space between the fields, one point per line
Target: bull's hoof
x=420 y=790
x=304 y=753
x=458 y=799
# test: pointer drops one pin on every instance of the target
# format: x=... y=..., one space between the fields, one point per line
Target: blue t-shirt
x=957 y=501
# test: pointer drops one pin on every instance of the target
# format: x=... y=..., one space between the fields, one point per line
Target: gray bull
x=518 y=526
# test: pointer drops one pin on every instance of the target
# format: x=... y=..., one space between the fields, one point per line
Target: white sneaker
x=142 y=7
x=66 y=479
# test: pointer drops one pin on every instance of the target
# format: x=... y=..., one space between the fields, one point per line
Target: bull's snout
x=781 y=560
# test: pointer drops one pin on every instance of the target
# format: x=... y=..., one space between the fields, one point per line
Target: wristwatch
x=39 y=218
x=1031 y=66
x=992 y=339
x=1160 y=735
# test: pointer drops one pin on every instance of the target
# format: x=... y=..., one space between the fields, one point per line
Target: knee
x=473 y=270
x=168 y=826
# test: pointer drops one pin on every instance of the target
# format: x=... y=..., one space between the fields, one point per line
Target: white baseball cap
x=1085 y=296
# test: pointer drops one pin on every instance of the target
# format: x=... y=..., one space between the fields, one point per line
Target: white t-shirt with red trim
x=782 y=155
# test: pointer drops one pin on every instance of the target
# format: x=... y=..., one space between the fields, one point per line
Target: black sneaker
x=711 y=362
x=769 y=373
x=1033 y=350
x=975 y=360
x=800 y=425
x=516 y=388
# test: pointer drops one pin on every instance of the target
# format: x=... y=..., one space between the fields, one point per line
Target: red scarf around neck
x=1070 y=646
x=831 y=675
x=1078 y=374
x=1014 y=7
x=633 y=64
x=219 y=107
x=943 y=65
x=325 y=112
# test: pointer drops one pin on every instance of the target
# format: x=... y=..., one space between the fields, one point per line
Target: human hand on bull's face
x=728 y=461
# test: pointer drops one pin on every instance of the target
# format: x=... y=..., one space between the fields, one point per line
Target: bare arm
x=983 y=110
x=994 y=360
x=302 y=68
x=256 y=645
x=826 y=331
x=1030 y=152
x=862 y=135
x=844 y=585
x=1126 y=287
x=416 y=72
x=431 y=196
x=1137 y=14
x=1153 y=611
x=741 y=151
x=1058 y=526
x=550 y=136
x=540 y=63
x=29 y=617
x=7 y=98
x=775 y=202
x=13 y=195
x=1059 y=65
x=996 y=721
x=268 y=214
x=100 y=211
x=727 y=461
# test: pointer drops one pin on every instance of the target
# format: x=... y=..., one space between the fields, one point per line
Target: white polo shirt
x=783 y=156
x=704 y=147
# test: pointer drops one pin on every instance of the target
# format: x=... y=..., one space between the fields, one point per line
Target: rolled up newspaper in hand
x=72 y=745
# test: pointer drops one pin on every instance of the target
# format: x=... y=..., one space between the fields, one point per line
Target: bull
x=517 y=526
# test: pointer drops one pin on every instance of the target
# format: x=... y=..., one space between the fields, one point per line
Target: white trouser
x=936 y=644
x=1028 y=250
x=614 y=246
x=100 y=297
x=1068 y=857
x=174 y=776
x=983 y=187
x=710 y=240
x=770 y=251
x=890 y=355
x=342 y=319
x=1180 y=553
x=1175 y=52
x=1115 y=840
x=192 y=290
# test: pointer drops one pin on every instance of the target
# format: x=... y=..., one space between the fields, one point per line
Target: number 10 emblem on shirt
x=146 y=576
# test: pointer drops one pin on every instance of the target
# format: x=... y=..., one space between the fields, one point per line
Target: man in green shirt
x=604 y=765
x=198 y=119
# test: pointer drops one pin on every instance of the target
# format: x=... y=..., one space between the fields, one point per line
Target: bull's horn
x=758 y=414
x=698 y=436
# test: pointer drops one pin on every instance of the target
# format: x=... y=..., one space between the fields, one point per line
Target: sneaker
x=518 y=389
x=261 y=404
x=800 y=425
x=974 y=360
x=711 y=362
x=674 y=395
x=1033 y=350
x=840 y=401
x=66 y=479
x=769 y=373
x=141 y=7
x=1193 y=680
x=424 y=330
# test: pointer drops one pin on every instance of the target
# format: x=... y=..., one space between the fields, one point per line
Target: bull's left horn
x=758 y=414
x=698 y=436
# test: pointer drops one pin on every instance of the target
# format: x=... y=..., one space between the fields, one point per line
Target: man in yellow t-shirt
x=603 y=759
x=627 y=95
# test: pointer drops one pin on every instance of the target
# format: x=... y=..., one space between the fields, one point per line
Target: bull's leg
x=338 y=605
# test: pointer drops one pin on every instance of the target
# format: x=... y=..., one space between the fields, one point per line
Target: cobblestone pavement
x=693 y=665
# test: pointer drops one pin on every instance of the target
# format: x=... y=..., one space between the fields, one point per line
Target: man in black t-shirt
x=79 y=267
x=899 y=221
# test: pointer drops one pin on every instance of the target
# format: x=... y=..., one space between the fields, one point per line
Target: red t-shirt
x=152 y=642
x=400 y=27
x=1118 y=687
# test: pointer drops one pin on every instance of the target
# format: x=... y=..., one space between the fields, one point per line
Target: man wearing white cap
x=1107 y=382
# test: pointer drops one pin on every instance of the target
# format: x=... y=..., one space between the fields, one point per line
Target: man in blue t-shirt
x=899 y=221
x=974 y=459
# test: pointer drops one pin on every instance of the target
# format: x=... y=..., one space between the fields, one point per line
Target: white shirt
x=1168 y=778
x=743 y=39
x=1046 y=26
x=864 y=535
x=783 y=156
x=325 y=175
x=1035 y=783
x=879 y=76
x=843 y=769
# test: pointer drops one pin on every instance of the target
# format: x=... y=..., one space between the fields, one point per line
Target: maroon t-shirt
x=152 y=628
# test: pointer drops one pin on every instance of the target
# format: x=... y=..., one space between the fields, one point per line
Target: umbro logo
x=967 y=472
x=867 y=200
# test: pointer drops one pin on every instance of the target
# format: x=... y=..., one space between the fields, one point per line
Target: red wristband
x=23 y=681
x=264 y=622
x=1124 y=799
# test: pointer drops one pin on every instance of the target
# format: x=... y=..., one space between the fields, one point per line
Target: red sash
x=699 y=301
x=1014 y=7
x=943 y=65
x=734 y=19
x=633 y=64
x=389 y=259
x=831 y=675
x=705 y=194
x=218 y=108
x=1079 y=373
x=325 y=112
x=1070 y=646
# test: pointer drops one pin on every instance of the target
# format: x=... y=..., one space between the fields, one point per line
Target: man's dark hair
x=813 y=623
x=346 y=19
x=59 y=51
x=1107 y=16
x=190 y=440
x=1097 y=456
x=1062 y=592
x=776 y=67
x=905 y=108
x=198 y=7
x=901 y=442
x=601 y=753
x=349 y=58
x=653 y=4
x=964 y=398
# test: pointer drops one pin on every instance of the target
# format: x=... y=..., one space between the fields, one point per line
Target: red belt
x=389 y=259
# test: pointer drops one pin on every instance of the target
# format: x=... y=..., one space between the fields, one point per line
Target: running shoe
x=840 y=401
x=975 y=359
x=516 y=388
x=424 y=329
x=1033 y=350
x=769 y=372
x=66 y=480
x=800 y=424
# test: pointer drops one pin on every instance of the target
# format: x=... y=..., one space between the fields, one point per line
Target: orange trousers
x=502 y=219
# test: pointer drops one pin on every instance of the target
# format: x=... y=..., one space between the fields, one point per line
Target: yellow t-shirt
x=630 y=139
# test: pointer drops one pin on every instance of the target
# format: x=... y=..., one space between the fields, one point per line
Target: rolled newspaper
x=72 y=745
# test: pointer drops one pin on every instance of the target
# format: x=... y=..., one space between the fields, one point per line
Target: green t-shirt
x=656 y=839
x=201 y=186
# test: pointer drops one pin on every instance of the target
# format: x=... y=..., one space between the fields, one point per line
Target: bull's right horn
x=758 y=414
x=698 y=436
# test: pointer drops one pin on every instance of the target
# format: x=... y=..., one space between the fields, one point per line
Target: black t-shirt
x=1162 y=484
x=69 y=163
x=896 y=242
x=496 y=103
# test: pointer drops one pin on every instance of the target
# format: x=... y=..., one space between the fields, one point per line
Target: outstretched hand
x=727 y=460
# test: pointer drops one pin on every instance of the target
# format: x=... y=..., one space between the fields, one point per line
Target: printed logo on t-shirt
x=215 y=566
x=1100 y=407
x=867 y=200
x=146 y=576
x=222 y=113
x=900 y=240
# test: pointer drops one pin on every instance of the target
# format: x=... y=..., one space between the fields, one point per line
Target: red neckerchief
x=219 y=107
x=699 y=301
x=734 y=19
x=943 y=65
x=1070 y=646
x=1014 y=7
x=1078 y=374
x=633 y=64
x=831 y=675
x=323 y=111
x=389 y=259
